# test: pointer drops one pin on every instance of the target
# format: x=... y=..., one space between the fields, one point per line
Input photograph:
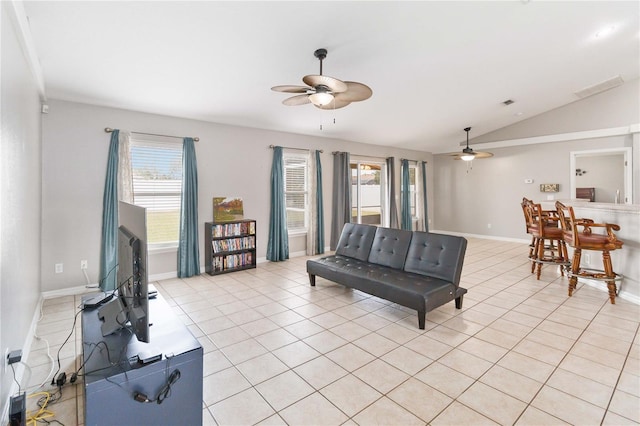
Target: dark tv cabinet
x=229 y=246
x=113 y=374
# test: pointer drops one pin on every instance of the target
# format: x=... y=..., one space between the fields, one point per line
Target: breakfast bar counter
x=626 y=261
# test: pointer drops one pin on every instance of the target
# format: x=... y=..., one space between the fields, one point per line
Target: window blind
x=157 y=186
x=296 y=191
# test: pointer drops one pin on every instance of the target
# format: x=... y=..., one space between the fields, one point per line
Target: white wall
x=232 y=161
x=20 y=191
x=605 y=173
x=491 y=192
x=615 y=107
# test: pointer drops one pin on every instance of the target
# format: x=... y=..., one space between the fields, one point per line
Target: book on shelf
x=233 y=229
x=234 y=244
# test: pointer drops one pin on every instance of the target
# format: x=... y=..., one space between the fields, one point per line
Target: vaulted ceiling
x=434 y=67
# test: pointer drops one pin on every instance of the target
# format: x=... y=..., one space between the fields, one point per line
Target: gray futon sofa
x=418 y=270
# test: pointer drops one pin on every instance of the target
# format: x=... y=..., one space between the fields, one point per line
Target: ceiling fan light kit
x=325 y=92
x=322 y=96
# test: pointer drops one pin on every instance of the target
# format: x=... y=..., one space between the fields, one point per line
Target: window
x=368 y=193
x=156 y=169
x=414 y=181
x=413 y=188
x=296 y=191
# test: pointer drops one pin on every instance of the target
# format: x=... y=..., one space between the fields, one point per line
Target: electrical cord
x=41 y=415
x=73 y=327
x=16 y=380
x=75 y=319
x=164 y=393
x=53 y=361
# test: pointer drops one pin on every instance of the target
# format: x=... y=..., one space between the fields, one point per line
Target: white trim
x=628 y=172
x=599 y=285
x=160 y=250
x=69 y=291
x=591 y=283
x=484 y=237
x=18 y=15
x=26 y=350
x=560 y=137
x=298 y=254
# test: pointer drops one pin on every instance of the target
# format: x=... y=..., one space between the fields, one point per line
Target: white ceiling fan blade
x=297 y=100
x=356 y=92
x=291 y=89
x=480 y=154
x=335 y=85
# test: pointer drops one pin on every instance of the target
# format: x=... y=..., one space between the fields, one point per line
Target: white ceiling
x=434 y=67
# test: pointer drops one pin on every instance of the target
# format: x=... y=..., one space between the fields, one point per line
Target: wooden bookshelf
x=230 y=246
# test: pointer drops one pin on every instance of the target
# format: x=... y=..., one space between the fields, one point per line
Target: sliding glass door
x=368 y=192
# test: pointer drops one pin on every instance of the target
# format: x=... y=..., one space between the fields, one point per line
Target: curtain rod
x=360 y=155
x=413 y=161
x=300 y=149
x=109 y=130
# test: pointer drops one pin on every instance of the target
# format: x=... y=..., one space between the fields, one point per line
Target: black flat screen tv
x=131 y=306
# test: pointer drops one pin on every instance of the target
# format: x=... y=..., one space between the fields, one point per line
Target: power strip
x=18 y=410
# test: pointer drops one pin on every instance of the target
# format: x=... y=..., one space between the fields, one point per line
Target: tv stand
x=119 y=370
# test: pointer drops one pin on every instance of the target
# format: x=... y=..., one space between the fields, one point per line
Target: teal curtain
x=278 y=245
x=109 y=240
x=405 y=211
x=188 y=250
x=341 y=209
x=424 y=195
x=319 y=206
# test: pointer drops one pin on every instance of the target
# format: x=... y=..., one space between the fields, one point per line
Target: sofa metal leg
x=312 y=280
x=459 y=302
x=421 y=319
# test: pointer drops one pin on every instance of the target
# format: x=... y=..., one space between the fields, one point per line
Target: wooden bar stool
x=528 y=221
x=545 y=229
x=578 y=234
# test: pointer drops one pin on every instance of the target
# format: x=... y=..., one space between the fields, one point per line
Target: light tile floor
x=278 y=351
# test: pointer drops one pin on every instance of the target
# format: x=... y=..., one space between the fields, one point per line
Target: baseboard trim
x=602 y=286
x=591 y=283
x=26 y=350
x=70 y=291
x=483 y=237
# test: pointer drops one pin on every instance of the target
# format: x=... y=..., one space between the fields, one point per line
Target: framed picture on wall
x=549 y=187
x=227 y=209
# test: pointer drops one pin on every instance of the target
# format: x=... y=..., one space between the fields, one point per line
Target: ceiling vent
x=508 y=102
x=600 y=87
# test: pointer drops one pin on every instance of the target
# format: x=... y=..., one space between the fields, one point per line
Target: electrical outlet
x=488 y=226
x=83 y=264
x=59 y=268
x=586 y=259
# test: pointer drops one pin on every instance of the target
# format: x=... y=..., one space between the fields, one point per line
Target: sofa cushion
x=390 y=247
x=415 y=291
x=355 y=241
x=436 y=255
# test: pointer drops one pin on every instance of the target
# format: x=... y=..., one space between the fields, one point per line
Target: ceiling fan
x=325 y=92
x=469 y=154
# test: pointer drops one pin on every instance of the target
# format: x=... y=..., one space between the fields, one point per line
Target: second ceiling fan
x=469 y=154
x=323 y=91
